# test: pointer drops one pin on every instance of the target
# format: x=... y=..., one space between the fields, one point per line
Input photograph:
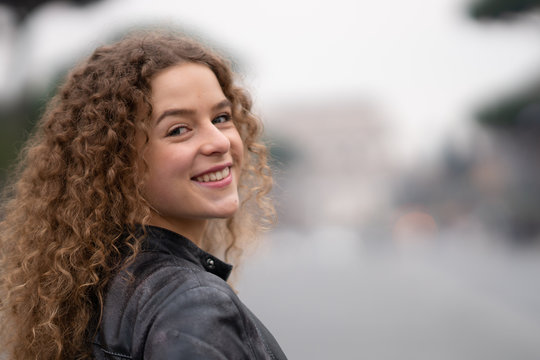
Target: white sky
x=423 y=62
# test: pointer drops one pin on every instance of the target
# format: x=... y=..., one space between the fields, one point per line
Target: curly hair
x=76 y=192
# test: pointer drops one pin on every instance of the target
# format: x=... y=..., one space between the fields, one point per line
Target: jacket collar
x=164 y=240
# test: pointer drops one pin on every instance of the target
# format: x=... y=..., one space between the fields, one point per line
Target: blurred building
x=338 y=166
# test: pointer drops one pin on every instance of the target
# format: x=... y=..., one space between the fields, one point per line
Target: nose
x=214 y=141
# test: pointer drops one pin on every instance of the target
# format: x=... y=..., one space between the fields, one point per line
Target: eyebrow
x=189 y=112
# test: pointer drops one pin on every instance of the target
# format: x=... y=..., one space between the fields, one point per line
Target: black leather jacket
x=177 y=305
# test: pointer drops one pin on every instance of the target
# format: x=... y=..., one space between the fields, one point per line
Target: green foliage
x=500 y=9
x=17 y=121
x=506 y=113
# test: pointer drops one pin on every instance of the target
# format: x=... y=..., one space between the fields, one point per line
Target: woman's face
x=194 y=153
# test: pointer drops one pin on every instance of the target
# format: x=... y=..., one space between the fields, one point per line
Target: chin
x=227 y=214
x=227 y=211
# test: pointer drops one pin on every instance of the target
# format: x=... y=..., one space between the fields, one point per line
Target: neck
x=192 y=229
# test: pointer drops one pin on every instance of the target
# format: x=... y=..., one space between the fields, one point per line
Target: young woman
x=145 y=170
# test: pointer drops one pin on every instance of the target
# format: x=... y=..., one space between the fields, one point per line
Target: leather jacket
x=173 y=302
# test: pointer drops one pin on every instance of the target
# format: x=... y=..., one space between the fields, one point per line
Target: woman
x=144 y=170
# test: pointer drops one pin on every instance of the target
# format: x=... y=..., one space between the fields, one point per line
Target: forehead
x=184 y=83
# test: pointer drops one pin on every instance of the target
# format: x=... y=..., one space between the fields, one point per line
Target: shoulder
x=175 y=282
x=154 y=278
x=178 y=286
x=205 y=318
x=162 y=305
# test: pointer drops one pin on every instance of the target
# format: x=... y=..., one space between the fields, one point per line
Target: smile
x=214 y=176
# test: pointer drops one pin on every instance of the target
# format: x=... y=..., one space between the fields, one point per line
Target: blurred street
x=329 y=294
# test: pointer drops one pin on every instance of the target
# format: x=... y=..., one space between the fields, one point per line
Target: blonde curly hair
x=76 y=193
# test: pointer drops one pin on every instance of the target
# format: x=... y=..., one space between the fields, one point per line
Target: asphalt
x=329 y=294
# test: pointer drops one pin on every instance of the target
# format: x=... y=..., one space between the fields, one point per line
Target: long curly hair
x=77 y=191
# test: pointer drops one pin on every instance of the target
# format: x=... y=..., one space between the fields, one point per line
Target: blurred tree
x=498 y=9
x=23 y=8
x=17 y=119
x=517 y=110
x=515 y=124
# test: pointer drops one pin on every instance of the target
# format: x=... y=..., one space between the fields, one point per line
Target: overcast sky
x=424 y=63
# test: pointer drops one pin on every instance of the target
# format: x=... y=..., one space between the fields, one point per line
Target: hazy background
x=406 y=143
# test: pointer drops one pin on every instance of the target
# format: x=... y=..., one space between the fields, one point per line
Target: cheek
x=164 y=166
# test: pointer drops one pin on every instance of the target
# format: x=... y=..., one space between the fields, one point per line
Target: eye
x=178 y=130
x=222 y=119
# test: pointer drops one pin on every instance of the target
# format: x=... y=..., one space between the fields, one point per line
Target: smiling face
x=194 y=153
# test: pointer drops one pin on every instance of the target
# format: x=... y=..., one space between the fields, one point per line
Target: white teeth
x=215 y=176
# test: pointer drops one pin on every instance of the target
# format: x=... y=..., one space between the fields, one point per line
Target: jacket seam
x=266 y=347
x=108 y=352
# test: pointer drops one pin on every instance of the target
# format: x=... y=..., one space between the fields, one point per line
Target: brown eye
x=178 y=130
x=221 y=119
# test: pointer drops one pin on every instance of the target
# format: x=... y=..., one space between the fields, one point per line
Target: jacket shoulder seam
x=113 y=353
x=263 y=340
